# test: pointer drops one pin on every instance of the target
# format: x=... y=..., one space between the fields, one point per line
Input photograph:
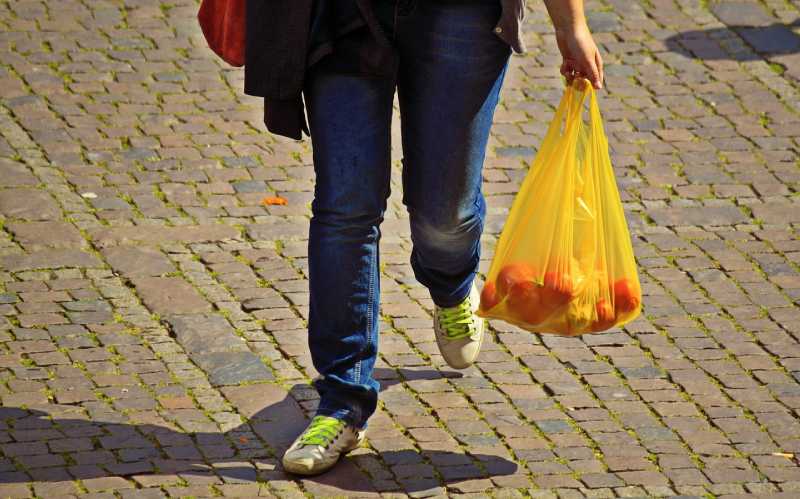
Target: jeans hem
x=453 y=303
x=346 y=415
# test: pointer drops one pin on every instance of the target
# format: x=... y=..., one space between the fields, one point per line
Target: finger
x=573 y=70
x=568 y=70
x=599 y=62
x=593 y=75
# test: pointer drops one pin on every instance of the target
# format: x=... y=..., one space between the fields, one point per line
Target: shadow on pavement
x=100 y=449
x=767 y=40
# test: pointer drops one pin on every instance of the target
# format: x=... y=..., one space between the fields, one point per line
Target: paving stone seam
x=472 y=404
x=143 y=385
x=571 y=421
x=744 y=410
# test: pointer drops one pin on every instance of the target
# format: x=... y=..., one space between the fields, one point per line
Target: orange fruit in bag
x=524 y=301
x=512 y=275
x=516 y=283
x=489 y=296
x=627 y=296
x=606 y=317
x=557 y=289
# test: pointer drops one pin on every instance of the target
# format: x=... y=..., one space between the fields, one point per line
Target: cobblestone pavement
x=152 y=341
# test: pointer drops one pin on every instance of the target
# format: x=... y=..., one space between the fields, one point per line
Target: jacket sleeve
x=286 y=117
x=276 y=47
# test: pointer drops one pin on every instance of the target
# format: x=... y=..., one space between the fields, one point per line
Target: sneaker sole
x=290 y=467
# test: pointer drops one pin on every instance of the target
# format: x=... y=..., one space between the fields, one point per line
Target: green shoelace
x=322 y=431
x=457 y=322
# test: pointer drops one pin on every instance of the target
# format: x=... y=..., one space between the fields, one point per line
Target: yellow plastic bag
x=564 y=263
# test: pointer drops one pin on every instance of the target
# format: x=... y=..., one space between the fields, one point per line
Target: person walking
x=343 y=60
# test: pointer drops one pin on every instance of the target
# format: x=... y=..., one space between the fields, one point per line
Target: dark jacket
x=276 y=47
x=275 y=61
x=276 y=53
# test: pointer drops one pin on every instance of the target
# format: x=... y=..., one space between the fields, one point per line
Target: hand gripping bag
x=564 y=263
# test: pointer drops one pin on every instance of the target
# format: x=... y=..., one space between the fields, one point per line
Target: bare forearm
x=567 y=15
x=579 y=52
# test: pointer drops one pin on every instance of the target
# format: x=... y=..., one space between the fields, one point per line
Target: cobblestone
x=153 y=311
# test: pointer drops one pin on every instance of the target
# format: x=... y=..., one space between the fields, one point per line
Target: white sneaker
x=319 y=447
x=459 y=332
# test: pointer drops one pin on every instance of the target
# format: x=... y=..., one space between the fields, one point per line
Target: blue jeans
x=451 y=68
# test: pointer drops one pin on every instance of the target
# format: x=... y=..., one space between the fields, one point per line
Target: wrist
x=572 y=26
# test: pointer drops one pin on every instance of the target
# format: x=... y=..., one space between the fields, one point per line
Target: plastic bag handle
x=571 y=104
x=595 y=119
x=583 y=89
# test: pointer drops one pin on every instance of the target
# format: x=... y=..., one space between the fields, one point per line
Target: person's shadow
x=53 y=448
x=767 y=40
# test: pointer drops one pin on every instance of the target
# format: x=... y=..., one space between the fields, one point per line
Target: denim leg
x=349 y=118
x=451 y=70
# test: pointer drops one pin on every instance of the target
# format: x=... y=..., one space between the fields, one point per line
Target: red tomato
x=627 y=296
x=489 y=296
x=605 y=316
x=525 y=304
x=513 y=274
x=557 y=290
